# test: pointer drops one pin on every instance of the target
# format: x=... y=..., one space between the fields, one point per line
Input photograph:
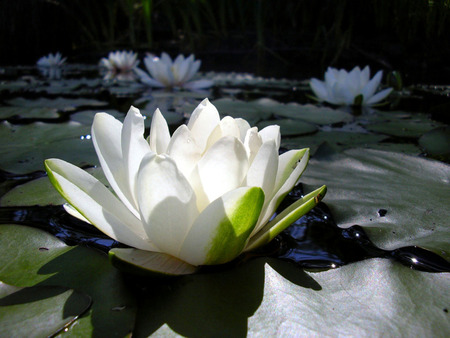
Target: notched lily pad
x=413 y=191
x=27 y=113
x=410 y=128
x=39 y=310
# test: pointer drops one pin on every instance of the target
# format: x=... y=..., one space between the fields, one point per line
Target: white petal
x=145 y=78
x=365 y=75
x=198 y=84
x=252 y=142
x=203 y=121
x=159 y=133
x=291 y=165
x=244 y=126
x=106 y=137
x=97 y=204
x=271 y=132
x=184 y=150
x=221 y=169
x=370 y=88
x=263 y=170
x=134 y=147
x=319 y=89
x=167 y=202
x=226 y=127
x=380 y=96
x=222 y=230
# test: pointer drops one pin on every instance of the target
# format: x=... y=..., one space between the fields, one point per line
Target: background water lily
x=178 y=73
x=201 y=196
x=119 y=65
x=349 y=88
x=50 y=65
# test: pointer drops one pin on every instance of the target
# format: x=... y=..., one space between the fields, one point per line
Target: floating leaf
x=290 y=127
x=39 y=310
x=413 y=191
x=30 y=257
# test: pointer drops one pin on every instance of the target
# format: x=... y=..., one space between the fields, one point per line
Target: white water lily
x=120 y=65
x=50 y=65
x=349 y=88
x=179 y=73
x=199 y=197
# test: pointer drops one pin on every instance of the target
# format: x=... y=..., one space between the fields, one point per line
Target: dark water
x=313 y=241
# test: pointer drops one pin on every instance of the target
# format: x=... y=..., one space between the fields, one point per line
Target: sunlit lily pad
x=23 y=148
x=39 y=310
x=413 y=191
x=30 y=256
x=58 y=103
x=41 y=192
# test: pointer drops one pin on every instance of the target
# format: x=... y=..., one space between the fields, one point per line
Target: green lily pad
x=290 y=127
x=46 y=113
x=412 y=190
x=405 y=148
x=271 y=298
x=58 y=103
x=86 y=117
x=31 y=257
x=410 y=128
x=39 y=310
x=23 y=148
x=41 y=192
x=339 y=140
x=313 y=114
x=436 y=141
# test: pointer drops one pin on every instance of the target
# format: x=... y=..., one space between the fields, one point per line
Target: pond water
x=51 y=118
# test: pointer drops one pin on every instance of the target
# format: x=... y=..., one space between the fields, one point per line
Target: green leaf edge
x=286 y=218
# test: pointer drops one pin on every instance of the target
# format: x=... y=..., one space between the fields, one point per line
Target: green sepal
x=286 y=218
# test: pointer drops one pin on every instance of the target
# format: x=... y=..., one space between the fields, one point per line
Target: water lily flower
x=199 y=197
x=50 y=65
x=120 y=65
x=163 y=72
x=349 y=88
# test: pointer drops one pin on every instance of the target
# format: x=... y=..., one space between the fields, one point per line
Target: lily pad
x=290 y=127
x=271 y=298
x=58 y=103
x=86 y=117
x=313 y=114
x=408 y=128
x=236 y=108
x=436 y=141
x=39 y=310
x=46 y=113
x=23 y=148
x=339 y=140
x=30 y=257
x=41 y=192
x=413 y=191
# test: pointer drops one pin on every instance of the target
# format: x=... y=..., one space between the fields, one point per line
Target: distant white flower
x=163 y=72
x=119 y=65
x=347 y=88
x=50 y=65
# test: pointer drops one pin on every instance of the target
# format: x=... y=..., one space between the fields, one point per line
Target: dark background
x=284 y=38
